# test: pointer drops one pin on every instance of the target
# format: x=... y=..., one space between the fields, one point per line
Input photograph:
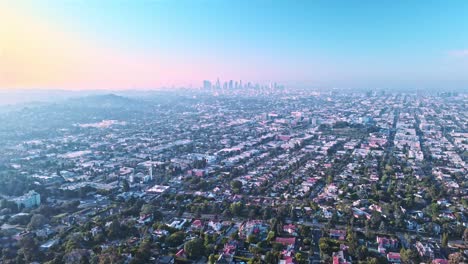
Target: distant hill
x=15 y=97
x=105 y=101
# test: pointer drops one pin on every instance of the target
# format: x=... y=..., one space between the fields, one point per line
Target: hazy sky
x=121 y=44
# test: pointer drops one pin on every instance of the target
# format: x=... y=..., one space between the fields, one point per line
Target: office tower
x=151 y=172
x=206 y=84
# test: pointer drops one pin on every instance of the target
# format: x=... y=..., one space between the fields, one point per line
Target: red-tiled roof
x=287 y=241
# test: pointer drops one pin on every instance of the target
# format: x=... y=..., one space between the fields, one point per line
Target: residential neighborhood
x=253 y=174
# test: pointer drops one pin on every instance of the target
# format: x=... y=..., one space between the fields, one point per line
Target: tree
x=382 y=226
x=444 y=240
x=212 y=259
x=305 y=231
x=262 y=244
x=252 y=214
x=74 y=242
x=408 y=255
x=277 y=246
x=111 y=255
x=175 y=239
x=5 y=204
x=234 y=236
x=293 y=214
x=236 y=185
x=37 y=221
x=352 y=240
x=125 y=185
x=236 y=208
x=194 y=248
x=29 y=248
x=251 y=239
x=270 y=258
x=434 y=210
x=255 y=260
x=373 y=261
x=255 y=249
x=362 y=252
x=404 y=256
x=456 y=258
x=20 y=219
x=299 y=258
x=143 y=253
x=376 y=219
x=267 y=213
x=115 y=229
x=147 y=209
x=367 y=230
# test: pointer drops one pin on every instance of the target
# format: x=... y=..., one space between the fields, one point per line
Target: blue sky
x=349 y=44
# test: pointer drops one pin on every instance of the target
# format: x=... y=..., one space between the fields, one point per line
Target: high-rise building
x=28 y=200
x=206 y=84
x=151 y=172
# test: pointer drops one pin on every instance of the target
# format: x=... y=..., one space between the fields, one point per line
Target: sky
x=146 y=44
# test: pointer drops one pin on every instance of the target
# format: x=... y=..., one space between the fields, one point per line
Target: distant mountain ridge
x=15 y=97
x=104 y=101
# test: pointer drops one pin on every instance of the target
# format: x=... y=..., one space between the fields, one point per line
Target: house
x=440 y=261
x=49 y=244
x=96 y=230
x=424 y=250
x=357 y=213
x=45 y=232
x=411 y=225
x=286 y=260
x=165 y=260
x=375 y=207
x=393 y=257
x=145 y=218
x=290 y=229
x=339 y=258
x=327 y=214
x=160 y=233
x=286 y=241
x=216 y=226
x=387 y=242
x=197 y=224
x=253 y=227
x=338 y=234
x=177 y=223
x=230 y=248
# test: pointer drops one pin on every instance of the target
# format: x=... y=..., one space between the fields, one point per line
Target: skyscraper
x=206 y=84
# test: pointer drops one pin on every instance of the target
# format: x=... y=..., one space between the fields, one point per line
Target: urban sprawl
x=236 y=173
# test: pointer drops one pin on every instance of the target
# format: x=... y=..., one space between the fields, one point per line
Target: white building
x=28 y=200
